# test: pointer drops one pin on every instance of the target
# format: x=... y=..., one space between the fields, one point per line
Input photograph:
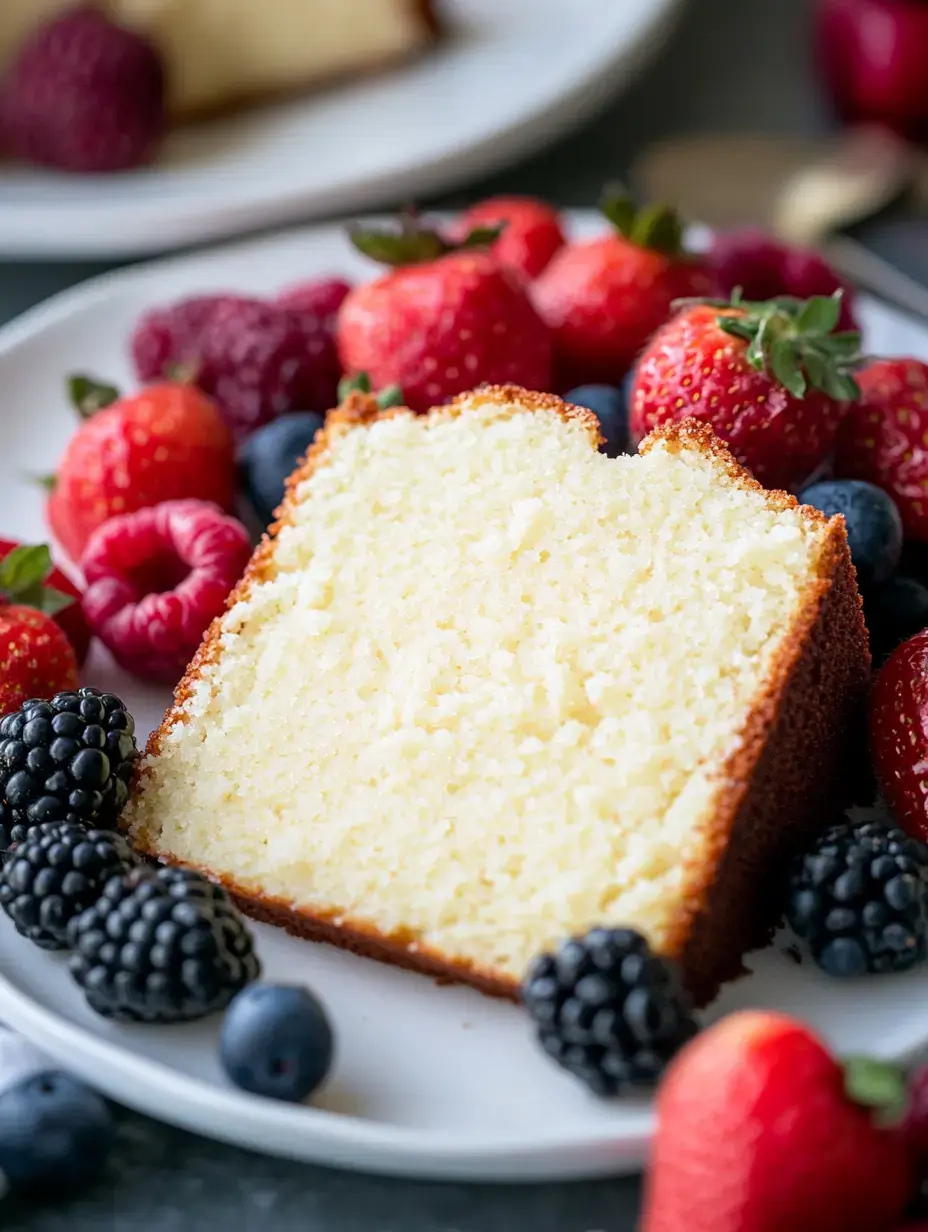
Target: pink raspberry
x=84 y=95
x=261 y=360
x=170 y=339
x=320 y=298
x=155 y=580
x=764 y=268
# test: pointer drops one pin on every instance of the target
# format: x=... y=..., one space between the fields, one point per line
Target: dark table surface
x=728 y=67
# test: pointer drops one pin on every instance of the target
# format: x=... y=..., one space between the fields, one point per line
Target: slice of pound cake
x=484 y=687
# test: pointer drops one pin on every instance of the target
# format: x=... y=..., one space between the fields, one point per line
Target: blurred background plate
x=508 y=78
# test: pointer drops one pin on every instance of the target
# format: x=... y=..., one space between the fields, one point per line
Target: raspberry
x=262 y=360
x=764 y=268
x=155 y=580
x=84 y=95
x=320 y=298
x=170 y=338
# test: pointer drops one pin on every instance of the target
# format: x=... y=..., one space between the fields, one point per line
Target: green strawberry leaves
x=88 y=395
x=390 y=395
x=878 y=1085
x=23 y=573
x=794 y=341
x=411 y=243
x=656 y=227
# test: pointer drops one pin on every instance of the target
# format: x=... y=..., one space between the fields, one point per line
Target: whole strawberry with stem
x=898 y=719
x=447 y=317
x=27 y=576
x=37 y=658
x=773 y=379
x=167 y=442
x=761 y=1129
x=882 y=439
x=84 y=95
x=603 y=298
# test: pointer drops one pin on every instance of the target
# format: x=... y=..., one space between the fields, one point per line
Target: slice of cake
x=484 y=687
x=222 y=52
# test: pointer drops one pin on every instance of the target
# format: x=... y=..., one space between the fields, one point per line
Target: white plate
x=429 y=1081
x=509 y=78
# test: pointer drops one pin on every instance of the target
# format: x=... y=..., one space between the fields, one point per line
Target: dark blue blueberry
x=610 y=406
x=874 y=528
x=894 y=612
x=55 y=1134
x=276 y=1041
x=269 y=457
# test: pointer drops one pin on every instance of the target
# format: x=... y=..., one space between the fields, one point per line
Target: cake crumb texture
x=486 y=687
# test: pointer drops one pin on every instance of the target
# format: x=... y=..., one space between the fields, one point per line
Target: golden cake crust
x=781 y=783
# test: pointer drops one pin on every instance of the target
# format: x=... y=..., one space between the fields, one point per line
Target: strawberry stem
x=88 y=395
x=360 y=383
x=877 y=1085
x=23 y=574
x=658 y=228
x=795 y=342
x=411 y=243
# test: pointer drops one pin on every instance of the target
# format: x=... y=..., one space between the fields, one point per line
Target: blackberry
x=68 y=759
x=859 y=899
x=54 y=874
x=609 y=1010
x=161 y=945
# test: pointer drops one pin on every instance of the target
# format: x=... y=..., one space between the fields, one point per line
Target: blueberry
x=610 y=406
x=275 y=1040
x=894 y=612
x=269 y=456
x=55 y=1134
x=874 y=528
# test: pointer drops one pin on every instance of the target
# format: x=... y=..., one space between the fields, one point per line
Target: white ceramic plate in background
x=509 y=78
x=429 y=1081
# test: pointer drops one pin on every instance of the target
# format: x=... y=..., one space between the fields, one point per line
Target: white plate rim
x=84 y=228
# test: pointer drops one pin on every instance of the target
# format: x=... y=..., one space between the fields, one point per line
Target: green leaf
x=877 y=1085
x=24 y=568
x=358 y=384
x=482 y=237
x=404 y=247
x=658 y=228
x=841 y=386
x=844 y=345
x=389 y=396
x=619 y=209
x=757 y=350
x=737 y=327
x=784 y=364
x=816 y=367
x=51 y=601
x=88 y=395
x=819 y=315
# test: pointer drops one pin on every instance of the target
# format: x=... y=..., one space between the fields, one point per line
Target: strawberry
x=760 y=1129
x=899 y=733
x=450 y=317
x=772 y=379
x=604 y=298
x=167 y=442
x=531 y=236
x=36 y=657
x=28 y=578
x=883 y=438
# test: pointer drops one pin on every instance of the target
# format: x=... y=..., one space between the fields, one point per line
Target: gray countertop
x=729 y=66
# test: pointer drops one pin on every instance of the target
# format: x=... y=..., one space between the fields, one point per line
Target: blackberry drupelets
x=66 y=759
x=609 y=1010
x=55 y=873
x=161 y=945
x=858 y=899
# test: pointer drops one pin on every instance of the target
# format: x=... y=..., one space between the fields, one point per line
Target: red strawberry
x=883 y=438
x=604 y=298
x=532 y=233
x=448 y=319
x=36 y=658
x=28 y=578
x=899 y=733
x=772 y=380
x=167 y=442
x=761 y=1130
x=85 y=95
